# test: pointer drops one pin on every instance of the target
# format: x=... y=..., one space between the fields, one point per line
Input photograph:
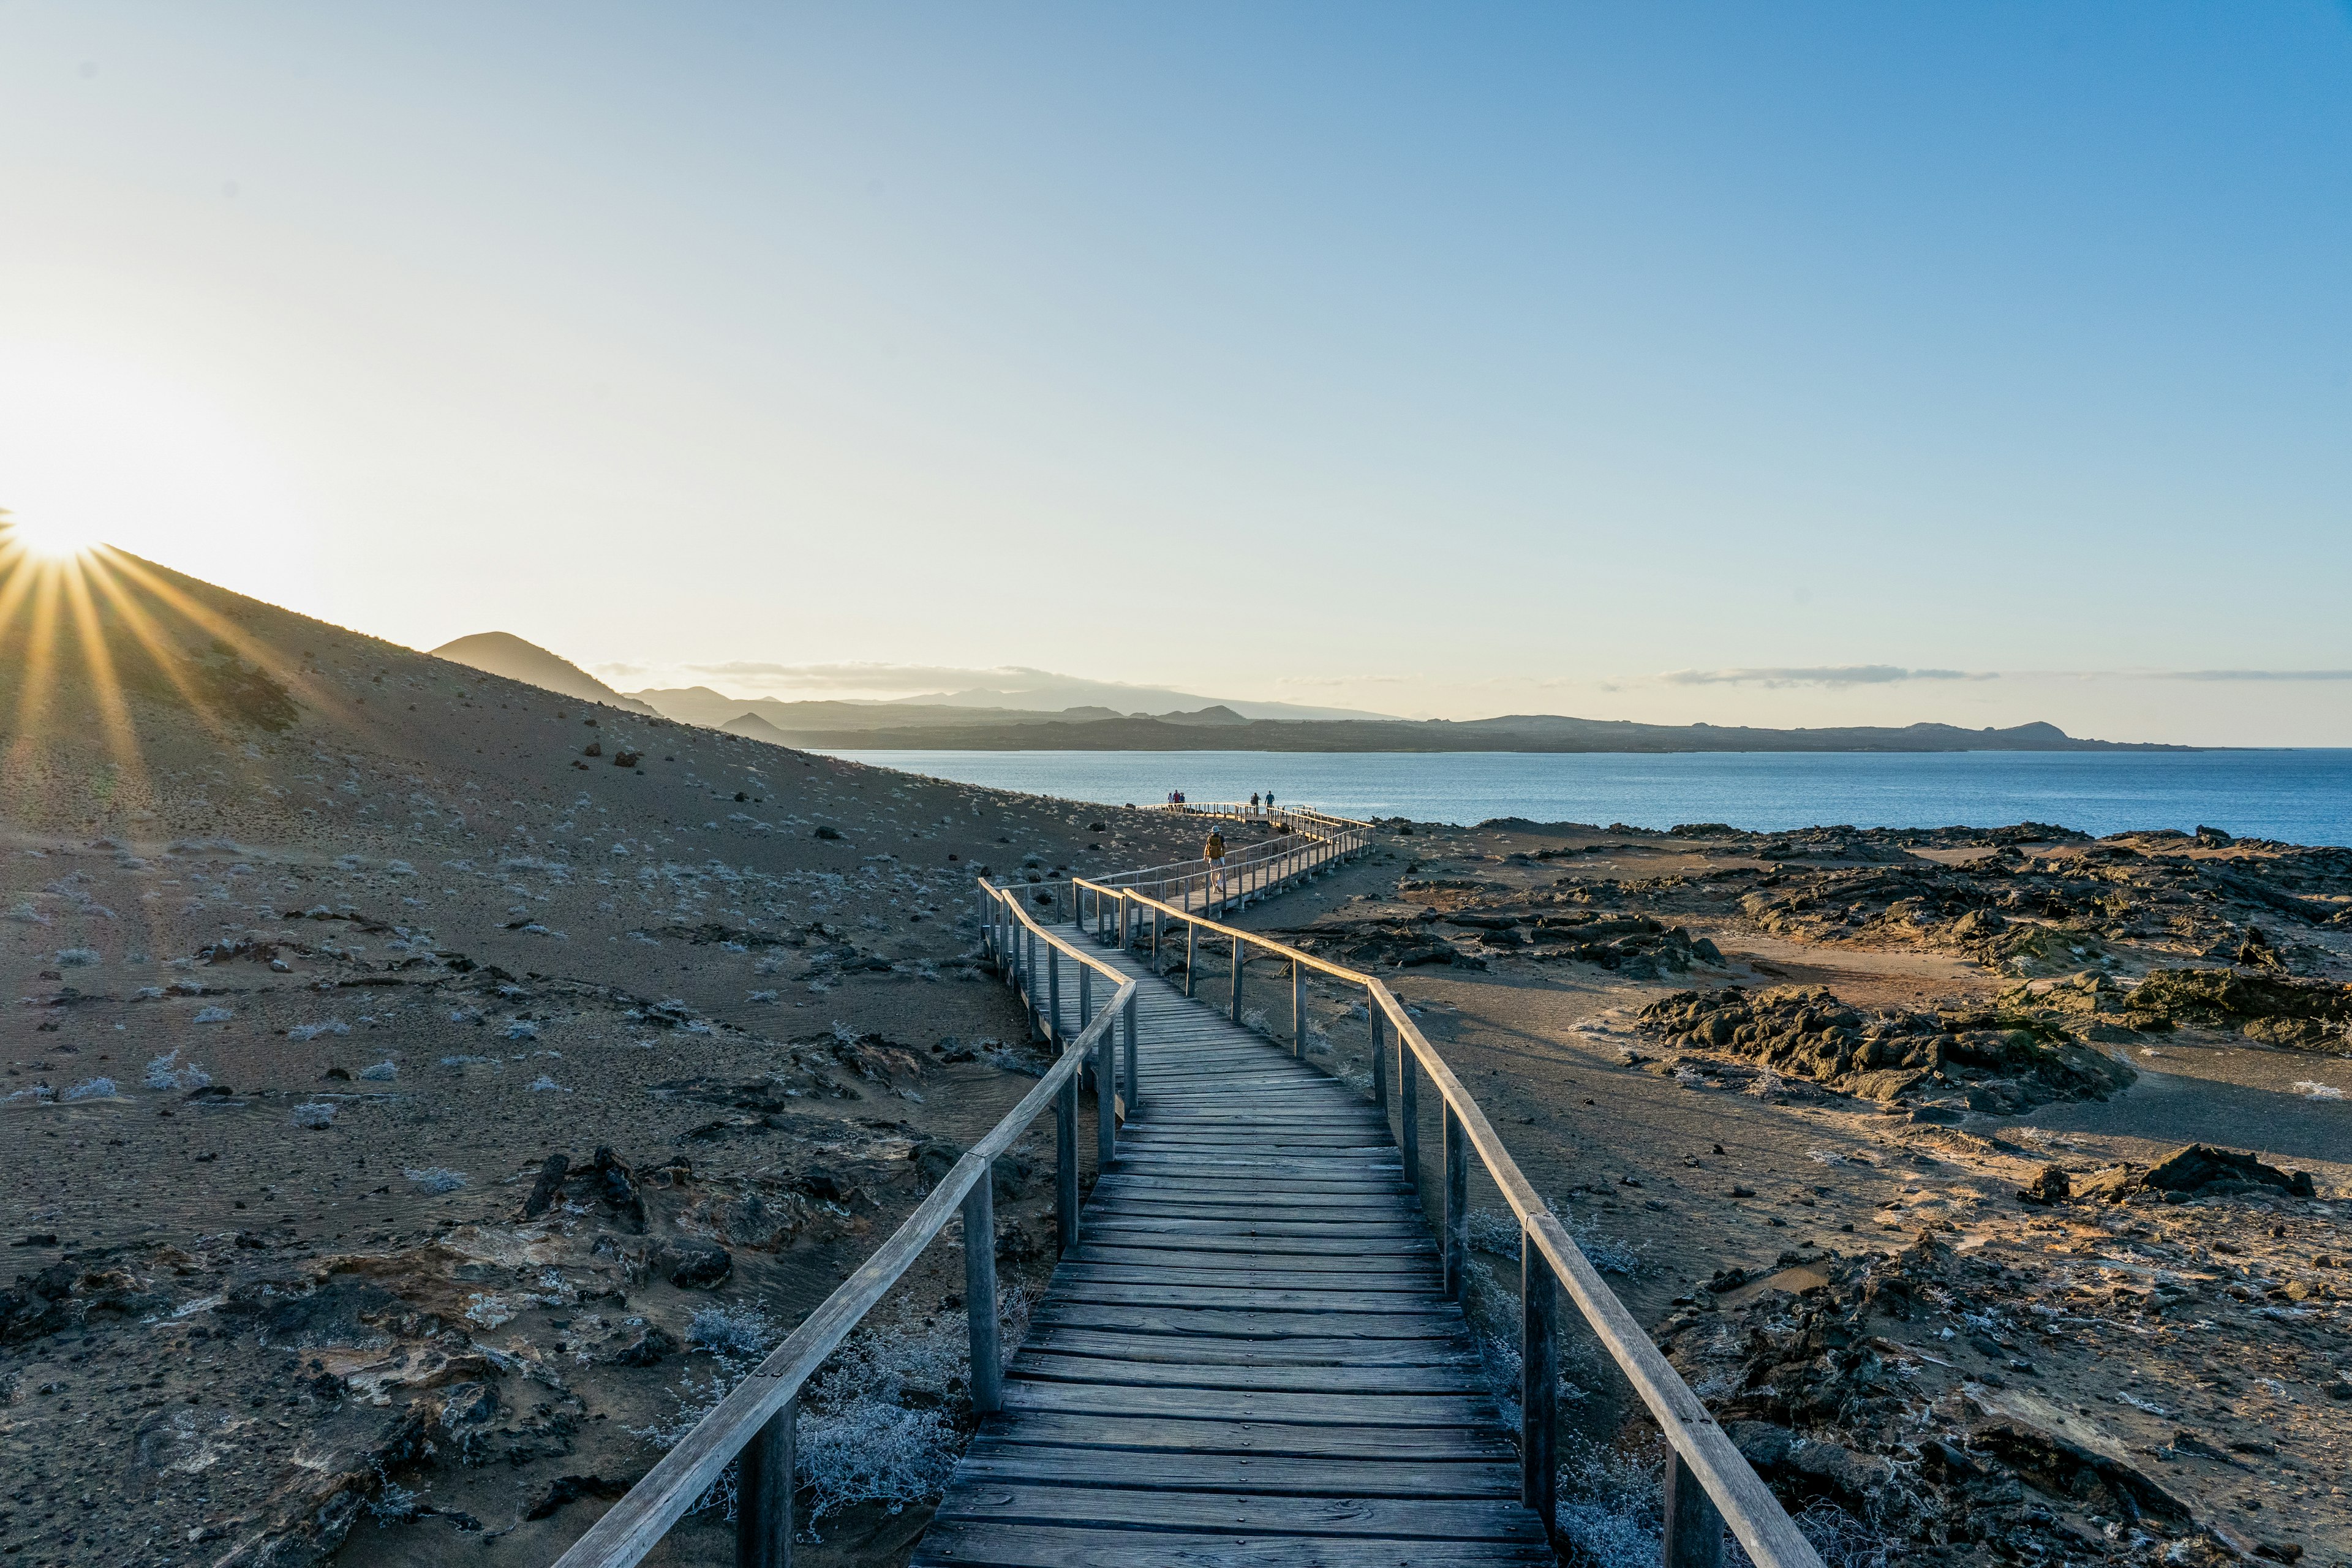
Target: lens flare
x=48 y=539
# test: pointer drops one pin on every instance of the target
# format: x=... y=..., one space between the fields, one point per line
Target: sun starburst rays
x=68 y=619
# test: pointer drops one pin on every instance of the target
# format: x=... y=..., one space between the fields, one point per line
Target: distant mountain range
x=984 y=720
x=1074 y=701
x=1518 y=733
x=504 y=654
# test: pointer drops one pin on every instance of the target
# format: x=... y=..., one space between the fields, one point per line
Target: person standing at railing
x=1253 y=803
x=1213 y=852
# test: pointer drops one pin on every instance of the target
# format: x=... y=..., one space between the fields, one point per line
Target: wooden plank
x=998 y=1461
x=1128 y=1222
x=1123 y=1192
x=1257 y=1241
x=1046 y=1368
x=1238 y=1166
x=1391 y=1184
x=1329 y=1207
x=1246 y=1325
x=1415 y=1282
x=1407 y=1518
x=957 y=1543
x=1301 y=1351
x=1395 y=1248
x=1301 y=1409
x=1170 y=1259
x=1347 y=1302
x=1146 y=1438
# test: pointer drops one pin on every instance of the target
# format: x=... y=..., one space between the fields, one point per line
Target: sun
x=48 y=538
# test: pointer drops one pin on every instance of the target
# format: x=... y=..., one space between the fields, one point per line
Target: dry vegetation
x=421 y=1090
x=1893 y=1138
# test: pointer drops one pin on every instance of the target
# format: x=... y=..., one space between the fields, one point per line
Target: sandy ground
x=297 y=1016
x=1683 y=1181
x=309 y=990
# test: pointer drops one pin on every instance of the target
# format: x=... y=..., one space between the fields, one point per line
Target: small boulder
x=695 y=1265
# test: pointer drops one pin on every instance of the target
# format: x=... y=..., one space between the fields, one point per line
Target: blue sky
x=1729 y=364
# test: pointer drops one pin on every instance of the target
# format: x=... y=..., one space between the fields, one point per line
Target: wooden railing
x=1307 y=841
x=1708 y=1483
x=755 y=1423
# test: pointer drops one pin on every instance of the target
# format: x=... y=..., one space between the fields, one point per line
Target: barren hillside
x=417 y=1084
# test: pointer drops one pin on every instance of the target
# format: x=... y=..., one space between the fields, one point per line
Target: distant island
x=993 y=721
x=1515 y=732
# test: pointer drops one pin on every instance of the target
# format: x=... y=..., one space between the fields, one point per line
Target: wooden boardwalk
x=1248 y=1360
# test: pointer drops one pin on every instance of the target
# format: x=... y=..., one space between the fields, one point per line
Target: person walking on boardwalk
x=1213 y=852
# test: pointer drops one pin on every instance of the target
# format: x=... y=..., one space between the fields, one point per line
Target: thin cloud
x=861 y=675
x=1819 y=675
x=2257 y=675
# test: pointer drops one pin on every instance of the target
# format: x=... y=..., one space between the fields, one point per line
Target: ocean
x=2301 y=797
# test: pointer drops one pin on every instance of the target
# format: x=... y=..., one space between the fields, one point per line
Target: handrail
x=1283 y=817
x=1710 y=1483
x=756 y=1420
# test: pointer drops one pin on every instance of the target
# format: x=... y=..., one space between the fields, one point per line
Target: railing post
x=1066 y=1166
x=1134 y=1082
x=1694 y=1527
x=1456 y=1234
x=1539 y=1379
x=1161 y=898
x=980 y=1294
x=1028 y=986
x=1054 y=989
x=1380 y=1059
x=1106 y=1098
x=1409 y=1112
x=1192 y=942
x=763 y=1493
x=1086 y=997
x=1240 y=957
x=1297 y=1010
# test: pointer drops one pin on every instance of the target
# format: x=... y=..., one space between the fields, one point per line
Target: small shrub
x=215 y=1015
x=742 y=1331
x=92 y=1088
x=77 y=957
x=312 y=1031
x=162 y=1073
x=383 y=1072
x=1495 y=1233
x=1605 y=1253
x=435 y=1178
x=314 y=1114
x=1610 y=1508
x=543 y=1084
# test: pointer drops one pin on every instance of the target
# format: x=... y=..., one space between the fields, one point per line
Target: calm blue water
x=2302 y=796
